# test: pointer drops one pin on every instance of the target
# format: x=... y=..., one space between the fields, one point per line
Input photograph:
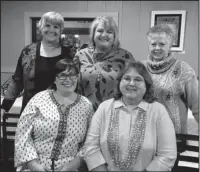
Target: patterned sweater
x=176 y=87
x=99 y=72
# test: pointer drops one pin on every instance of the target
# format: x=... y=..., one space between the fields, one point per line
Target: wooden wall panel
x=96 y=6
x=116 y=6
x=130 y=26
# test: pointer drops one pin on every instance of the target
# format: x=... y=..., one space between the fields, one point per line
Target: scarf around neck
x=162 y=66
x=102 y=56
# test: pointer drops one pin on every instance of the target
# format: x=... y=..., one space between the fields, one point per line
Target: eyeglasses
x=64 y=76
x=127 y=80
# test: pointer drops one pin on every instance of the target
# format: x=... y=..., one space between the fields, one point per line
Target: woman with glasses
x=131 y=132
x=52 y=127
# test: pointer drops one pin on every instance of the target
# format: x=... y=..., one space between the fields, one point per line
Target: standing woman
x=175 y=82
x=34 y=68
x=101 y=61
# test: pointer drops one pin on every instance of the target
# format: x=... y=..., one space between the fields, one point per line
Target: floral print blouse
x=45 y=132
x=99 y=72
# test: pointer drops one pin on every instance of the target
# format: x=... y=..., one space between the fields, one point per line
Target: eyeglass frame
x=139 y=82
x=71 y=77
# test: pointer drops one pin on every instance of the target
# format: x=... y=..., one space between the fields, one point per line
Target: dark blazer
x=24 y=76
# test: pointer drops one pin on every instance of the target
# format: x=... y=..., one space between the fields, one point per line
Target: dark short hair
x=141 y=69
x=63 y=65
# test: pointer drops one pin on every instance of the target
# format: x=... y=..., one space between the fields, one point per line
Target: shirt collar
x=119 y=103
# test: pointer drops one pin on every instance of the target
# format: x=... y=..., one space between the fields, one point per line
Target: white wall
x=134 y=21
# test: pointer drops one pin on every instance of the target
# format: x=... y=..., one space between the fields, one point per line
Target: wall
x=134 y=21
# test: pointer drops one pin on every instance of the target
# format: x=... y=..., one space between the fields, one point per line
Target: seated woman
x=131 y=132
x=53 y=125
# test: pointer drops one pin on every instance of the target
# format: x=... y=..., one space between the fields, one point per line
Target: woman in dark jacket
x=34 y=68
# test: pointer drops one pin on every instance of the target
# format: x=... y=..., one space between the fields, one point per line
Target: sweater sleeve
x=191 y=90
x=15 y=87
x=166 y=152
x=24 y=146
x=189 y=85
x=93 y=155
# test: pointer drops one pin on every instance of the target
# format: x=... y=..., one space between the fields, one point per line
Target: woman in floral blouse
x=101 y=61
x=53 y=126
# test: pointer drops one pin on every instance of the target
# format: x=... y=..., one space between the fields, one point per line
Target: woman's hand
x=66 y=167
x=35 y=166
x=72 y=165
x=102 y=167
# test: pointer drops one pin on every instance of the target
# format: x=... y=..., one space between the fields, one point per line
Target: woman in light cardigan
x=131 y=132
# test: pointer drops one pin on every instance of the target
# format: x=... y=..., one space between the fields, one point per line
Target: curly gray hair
x=161 y=28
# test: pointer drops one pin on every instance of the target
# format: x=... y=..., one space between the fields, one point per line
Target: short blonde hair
x=52 y=17
x=109 y=23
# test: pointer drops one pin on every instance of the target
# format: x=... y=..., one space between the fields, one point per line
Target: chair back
x=188 y=153
x=9 y=126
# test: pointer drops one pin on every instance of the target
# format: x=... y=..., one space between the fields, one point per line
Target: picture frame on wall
x=176 y=20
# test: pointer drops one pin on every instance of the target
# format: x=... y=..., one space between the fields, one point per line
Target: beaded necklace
x=135 y=141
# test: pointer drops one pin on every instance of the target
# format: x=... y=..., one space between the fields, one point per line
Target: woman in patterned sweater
x=101 y=61
x=175 y=82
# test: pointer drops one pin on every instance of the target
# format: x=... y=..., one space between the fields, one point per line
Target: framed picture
x=176 y=20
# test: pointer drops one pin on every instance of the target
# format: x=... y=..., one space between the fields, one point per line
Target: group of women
x=99 y=105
